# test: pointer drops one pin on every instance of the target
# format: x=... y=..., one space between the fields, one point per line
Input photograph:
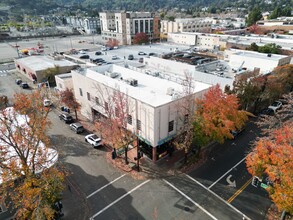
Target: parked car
x=140 y=60
x=82 y=52
x=235 y=133
x=98 y=60
x=98 y=53
x=141 y=53
x=24 y=85
x=114 y=57
x=130 y=57
x=77 y=127
x=266 y=111
x=275 y=106
x=152 y=54
x=47 y=102
x=93 y=139
x=18 y=81
x=84 y=57
x=66 y=118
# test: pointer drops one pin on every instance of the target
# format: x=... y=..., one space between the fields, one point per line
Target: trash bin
x=68 y=110
x=65 y=109
x=62 y=108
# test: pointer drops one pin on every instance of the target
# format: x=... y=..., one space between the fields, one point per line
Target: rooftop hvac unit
x=170 y=91
x=156 y=74
x=111 y=74
x=132 y=82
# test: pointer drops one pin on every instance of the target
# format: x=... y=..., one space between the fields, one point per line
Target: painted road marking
x=226 y=173
x=219 y=197
x=239 y=191
x=187 y=197
x=117 y=200
x=103 y=187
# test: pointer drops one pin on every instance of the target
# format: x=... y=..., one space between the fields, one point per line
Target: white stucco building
x=186 y=25
x=251 y=59
x=197 y=39
x=152 y=102
x=87 y=25
x=123 y=26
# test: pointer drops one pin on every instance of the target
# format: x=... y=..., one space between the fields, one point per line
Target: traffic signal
x=255 y=181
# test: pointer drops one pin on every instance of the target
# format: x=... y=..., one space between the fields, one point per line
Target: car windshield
x=95 y=137
x=275 y=104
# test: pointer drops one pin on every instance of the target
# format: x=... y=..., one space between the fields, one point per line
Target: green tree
x=254 y=16
x=50 y=74
x=269 y=48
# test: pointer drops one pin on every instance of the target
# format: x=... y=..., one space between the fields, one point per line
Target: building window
x=88 y=96
x=138 y=125
x=171 y=126
x=106 y=106
x=129 y=119
x=80 y=92
x=97 y=100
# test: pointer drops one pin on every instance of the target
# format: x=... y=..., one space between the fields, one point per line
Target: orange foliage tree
x=140 y=38
x=28 y=176
x=274 y=157
x=113 y=124
x=68 y=98
x=219 y=114
x=112 y=43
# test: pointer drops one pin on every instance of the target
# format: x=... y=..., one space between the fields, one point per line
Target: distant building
x=124 y=26
x=152 y=102
x=86 y=25
x=185 y=25
x=250 y=60
x=278 y=24
x=197 y=39
x=33 y=67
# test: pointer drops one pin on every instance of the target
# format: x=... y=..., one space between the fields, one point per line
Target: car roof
x=77 y=124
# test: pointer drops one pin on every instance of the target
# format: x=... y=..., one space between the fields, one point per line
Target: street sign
x=264 y=185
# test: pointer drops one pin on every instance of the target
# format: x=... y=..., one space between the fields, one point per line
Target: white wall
x=177 y=68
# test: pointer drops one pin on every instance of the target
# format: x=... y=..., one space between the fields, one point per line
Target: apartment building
x=152 y=102
x=185 y=25
x=123 y=26
x=86 y=25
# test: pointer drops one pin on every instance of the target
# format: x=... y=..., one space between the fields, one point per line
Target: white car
x=47 y=103
x=275 y=106
x=93 y=139
x=114 y=57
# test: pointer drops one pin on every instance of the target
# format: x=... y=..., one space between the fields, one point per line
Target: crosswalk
x=3 y=72
x=179 y=196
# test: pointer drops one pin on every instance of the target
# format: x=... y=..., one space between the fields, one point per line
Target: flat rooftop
x=257 y=55
x=37 y=63
x=150 y=89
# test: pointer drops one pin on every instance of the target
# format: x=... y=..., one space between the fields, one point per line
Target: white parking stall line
x=226 y=173
x=219 y=197
x=187 y=197
x=117 y=200
x=103 y=187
